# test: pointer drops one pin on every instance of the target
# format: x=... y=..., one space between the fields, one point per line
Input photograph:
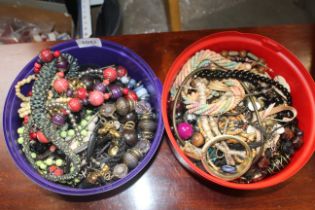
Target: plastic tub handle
x=89 y=42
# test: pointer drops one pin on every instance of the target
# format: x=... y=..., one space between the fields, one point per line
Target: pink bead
x=106 y=96
x=61 y=85
x=25 y=121
x=132 y=95
x=41 y=137
x=106 y=82
x=46 y=55
x=110 y=74
x=125 y=91
x=57 y=53
x=81 y=93
x=52 y=148
x=33 y=135
x=185 y=130
x=121 y=71
x=36 y=70
x=60 y=74
x=37 y=65
x=96 y=98
x=75 y=105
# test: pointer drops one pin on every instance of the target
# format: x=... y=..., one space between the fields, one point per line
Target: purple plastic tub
x=93 y=51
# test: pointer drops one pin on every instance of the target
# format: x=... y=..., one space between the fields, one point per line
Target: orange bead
x=58 y=172
x=41 y=137
x=52 y=168
x=197 y=139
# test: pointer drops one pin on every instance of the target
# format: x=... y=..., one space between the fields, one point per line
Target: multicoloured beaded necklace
x=83 y=127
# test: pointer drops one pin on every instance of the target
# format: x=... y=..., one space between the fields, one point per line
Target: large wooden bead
x=122 y=106
x=197 y=139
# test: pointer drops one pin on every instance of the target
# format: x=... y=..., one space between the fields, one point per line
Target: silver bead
x=120 y=170
x=130 y=160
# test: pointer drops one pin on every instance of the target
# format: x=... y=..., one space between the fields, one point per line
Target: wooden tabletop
x=165 y=184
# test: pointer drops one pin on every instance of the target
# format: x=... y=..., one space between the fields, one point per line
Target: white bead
x=141 y=92
x=91 y=126
x=95 y=119
x=250 y=129
x=251 y=107
x=117 y=124
x=74 y=145
x=86 y=139
x=280 y=129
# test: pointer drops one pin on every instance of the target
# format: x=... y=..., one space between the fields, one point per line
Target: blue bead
x=125 y=79
x=228 y=169
x=141 y=92
x=131 y=83
x=138 y=88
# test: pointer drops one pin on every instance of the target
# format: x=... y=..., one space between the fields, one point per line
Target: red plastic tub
x=283 y=63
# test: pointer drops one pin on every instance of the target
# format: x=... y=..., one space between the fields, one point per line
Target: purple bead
x=131 y=83
x=58 y=119
x=116 y=91
x=100 y=87
x=185 y=130
x=62 y=64
x=69 y=93
x=85 y=102
x=228 y=169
